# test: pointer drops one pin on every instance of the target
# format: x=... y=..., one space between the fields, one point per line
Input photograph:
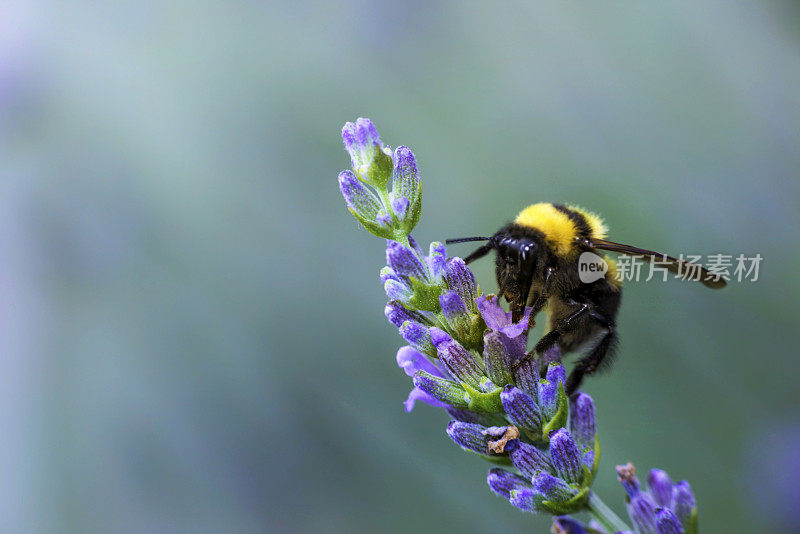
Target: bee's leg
x=550 y=339
x=601 y=354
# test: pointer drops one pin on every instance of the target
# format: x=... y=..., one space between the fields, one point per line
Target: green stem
x=604 y=515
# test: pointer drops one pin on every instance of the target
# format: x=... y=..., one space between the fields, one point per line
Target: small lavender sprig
x=461 y=347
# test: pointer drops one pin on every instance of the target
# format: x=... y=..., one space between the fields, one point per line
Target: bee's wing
x=673 y=265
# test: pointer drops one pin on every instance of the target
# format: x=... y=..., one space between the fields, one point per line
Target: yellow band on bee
x=559 y=231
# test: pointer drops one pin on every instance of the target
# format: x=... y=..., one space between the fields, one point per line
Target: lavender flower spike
x=466 y=355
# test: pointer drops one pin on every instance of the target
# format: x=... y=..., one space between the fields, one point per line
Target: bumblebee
x=537 y=264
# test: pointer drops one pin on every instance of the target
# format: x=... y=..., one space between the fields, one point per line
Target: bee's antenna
x=466 y=239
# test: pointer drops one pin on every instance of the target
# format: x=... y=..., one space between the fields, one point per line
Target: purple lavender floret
x=361 y=139
x=660 y=487
x=527 y=500
x=496 y=358
x=642 y=511
x=684 y=503
x=526 y=376
x=583 y=425
x=521 y=409
x=453 y=307
x=438 y=392
x=399 y=314
x=548 y=388
x=460 y=279
x=498 y=319
x=626 y=475
x=553 y=488
x=503 y=482
x=468 y=436
x=412 y=361
x=397 y=290
x=405 y=262
x=405 y=177
x=456 y=359
x=566 y=457
x=419 y=394
x=417 y=336
x=358 y=198
x=667 y=522
x=529 y=460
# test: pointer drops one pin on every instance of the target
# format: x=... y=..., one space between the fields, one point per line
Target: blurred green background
x=192 y=334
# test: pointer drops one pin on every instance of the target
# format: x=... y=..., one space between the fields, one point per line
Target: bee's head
x=512 y=248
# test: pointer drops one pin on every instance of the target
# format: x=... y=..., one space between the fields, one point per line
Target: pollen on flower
x=498 y=446
x=627 y=473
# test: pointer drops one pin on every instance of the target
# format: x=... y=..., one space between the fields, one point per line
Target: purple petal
x=417 y=394
x=494 y=316
x=411 y=361
x=518 y=328
x=437 y=260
